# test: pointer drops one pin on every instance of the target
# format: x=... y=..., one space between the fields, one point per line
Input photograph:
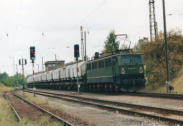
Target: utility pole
x=82 y=47
x=42 y=65
x=152 y=21
x=38 y=68
x=17 y=74
x=85 y=58
x=55 y=57
x=166 y=49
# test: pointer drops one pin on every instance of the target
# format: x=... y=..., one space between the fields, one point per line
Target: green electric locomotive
x=122 y=72
x=119 y=72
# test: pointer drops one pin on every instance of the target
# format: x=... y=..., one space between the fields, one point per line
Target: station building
x=51 y=65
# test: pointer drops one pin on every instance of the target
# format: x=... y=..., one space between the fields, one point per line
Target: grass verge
x=7 y=117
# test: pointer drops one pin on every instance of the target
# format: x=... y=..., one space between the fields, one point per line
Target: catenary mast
x=152 y=21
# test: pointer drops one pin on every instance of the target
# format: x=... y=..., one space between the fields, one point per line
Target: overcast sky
x=22 y=23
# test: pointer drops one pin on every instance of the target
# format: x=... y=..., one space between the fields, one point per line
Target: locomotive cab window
x=132 y=59
x=137 y=59
x=126 y=59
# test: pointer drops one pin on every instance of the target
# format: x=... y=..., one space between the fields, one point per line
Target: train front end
x=131 y=72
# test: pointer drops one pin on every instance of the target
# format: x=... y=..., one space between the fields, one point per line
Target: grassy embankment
x=177 y=83
x=7 y=117
x=154 y=59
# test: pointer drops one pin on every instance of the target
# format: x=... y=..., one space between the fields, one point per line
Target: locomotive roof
x=100 y=58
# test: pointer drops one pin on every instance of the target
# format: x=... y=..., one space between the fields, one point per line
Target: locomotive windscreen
x=131 y=59
x=126 y=59
x=137 y=59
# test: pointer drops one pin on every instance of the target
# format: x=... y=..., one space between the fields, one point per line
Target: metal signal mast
x=152 y=21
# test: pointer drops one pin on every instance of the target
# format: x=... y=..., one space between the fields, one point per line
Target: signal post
x=76 y=55
x=32 y=58
x=23 y=62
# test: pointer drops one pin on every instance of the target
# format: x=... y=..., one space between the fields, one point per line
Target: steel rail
x=141 y=94
x=14 y=110
x=157 y=95
x=66 y=123
x=115 y=106
x=164 y=110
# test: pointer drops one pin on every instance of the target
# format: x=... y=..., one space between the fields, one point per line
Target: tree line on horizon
x=12 y=81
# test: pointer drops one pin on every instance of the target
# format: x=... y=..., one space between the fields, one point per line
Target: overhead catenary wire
x=99 y=6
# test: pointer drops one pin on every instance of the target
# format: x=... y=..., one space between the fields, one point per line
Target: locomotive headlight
x=123 y=70
x=141 y=69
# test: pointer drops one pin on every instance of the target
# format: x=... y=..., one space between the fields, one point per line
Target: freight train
x=121 y=72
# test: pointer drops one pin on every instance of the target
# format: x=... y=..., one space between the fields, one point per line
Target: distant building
x=51 y=65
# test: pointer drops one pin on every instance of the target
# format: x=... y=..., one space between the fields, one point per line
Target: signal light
x=25 y=62
x=32 y=52
x=76 y=51
x=22 y=62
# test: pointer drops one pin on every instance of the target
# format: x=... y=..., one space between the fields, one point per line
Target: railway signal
x=32 y=53
x=23 y=62
x=76 y=51
x=76 y=55
x=32 y=57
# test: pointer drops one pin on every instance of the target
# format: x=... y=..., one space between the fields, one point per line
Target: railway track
x=65 y=122
x=12 y=107
x=170 y=115
x=157 y=95
x=153 y=95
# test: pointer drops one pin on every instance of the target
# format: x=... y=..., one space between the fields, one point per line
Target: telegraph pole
x=17 y=74
x=38 y=68
x=166 y=49
x=85 y=46
x=55 y=57
x=82 y=47
x=152 y=21
x=42 y=65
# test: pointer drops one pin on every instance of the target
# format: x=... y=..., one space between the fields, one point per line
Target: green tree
x=16 y=80
x=111 y=44
x=3 y=76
